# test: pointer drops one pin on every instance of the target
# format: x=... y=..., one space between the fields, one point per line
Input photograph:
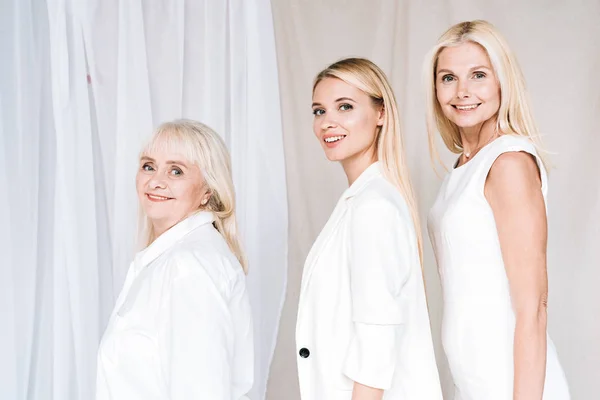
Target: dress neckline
x=460 y=167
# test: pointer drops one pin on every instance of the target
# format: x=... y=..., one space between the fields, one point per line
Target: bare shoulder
x=512 y=171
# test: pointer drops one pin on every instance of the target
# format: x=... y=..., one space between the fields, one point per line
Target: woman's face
x=466 y=86
x=169 y=188
x=346 y=120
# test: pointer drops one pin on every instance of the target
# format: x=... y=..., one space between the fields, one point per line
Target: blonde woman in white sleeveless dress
x=488 y=225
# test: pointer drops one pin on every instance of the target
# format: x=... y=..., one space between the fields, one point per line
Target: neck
x=159 y=228
x=356 y=165
x=475 y=137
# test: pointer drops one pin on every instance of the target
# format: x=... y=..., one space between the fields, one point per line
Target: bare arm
x=513 y=190
x=362 y=392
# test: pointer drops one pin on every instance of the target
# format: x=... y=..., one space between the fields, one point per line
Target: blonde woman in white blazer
x=363 y=330
x=182 y=327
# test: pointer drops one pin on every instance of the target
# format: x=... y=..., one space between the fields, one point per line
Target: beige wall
x=558 y=47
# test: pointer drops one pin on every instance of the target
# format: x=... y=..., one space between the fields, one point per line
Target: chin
x=156 y=217
x=157 y=213
x=469 y=123
x=335 y=157
x=336 y=154
x=332 y=157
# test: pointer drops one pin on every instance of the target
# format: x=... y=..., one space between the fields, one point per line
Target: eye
x=176 y=171
x=479 y=75
x=318 y=111
x=447 y=78
x=346 y=107
x=147 y=167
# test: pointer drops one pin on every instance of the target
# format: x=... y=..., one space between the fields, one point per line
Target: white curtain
x=83 y=83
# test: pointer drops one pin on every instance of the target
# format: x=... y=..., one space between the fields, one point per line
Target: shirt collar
x=172 y=236
x=374 y=170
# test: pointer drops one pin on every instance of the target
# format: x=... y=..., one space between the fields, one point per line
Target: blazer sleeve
x=381 y=257
x=199 y=334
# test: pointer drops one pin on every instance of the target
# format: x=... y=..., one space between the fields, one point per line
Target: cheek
x=190 y=193
x=491 y=93
x=354 y=121
x=316 y=126
x=365 y=125
x=196 y=195
x=140 y=184
x=444 y=95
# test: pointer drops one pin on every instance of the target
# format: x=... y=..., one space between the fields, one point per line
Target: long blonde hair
x=514 y=115
x=369 y=78
x=203 y=147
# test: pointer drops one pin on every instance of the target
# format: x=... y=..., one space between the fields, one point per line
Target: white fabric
x=362 y=314
x=55 y=275
x=479 y=321
x=68 y=155
x=182 y=326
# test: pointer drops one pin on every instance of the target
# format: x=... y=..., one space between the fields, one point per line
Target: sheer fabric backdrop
x=68 y=153
x=68 y=157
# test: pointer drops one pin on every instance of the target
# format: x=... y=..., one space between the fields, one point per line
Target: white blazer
x=181 y=327
x=363 y=314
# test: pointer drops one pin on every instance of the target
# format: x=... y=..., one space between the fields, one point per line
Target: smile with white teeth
x=155 y=197
x=334 y=138
x=466 y=108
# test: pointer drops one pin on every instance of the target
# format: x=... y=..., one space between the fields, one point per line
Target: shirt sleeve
x=243 y=366
x=382 y=253
x=199 y=340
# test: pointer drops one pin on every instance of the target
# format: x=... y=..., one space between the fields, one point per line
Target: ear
x=380 y=116
x=205 y=198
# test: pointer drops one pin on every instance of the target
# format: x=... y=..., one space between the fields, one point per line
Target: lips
x=466 y=107
x=157 y=198
x=332 y=140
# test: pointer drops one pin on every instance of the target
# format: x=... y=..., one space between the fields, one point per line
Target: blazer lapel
x=315 y=251
x=372 y=172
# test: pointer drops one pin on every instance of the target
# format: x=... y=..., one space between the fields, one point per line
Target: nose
x=462 y=90
x=328 y=123
x=158 y=181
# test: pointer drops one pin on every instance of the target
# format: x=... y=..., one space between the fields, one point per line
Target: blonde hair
x=369 y=78
x=514 y=115
x=203 y=147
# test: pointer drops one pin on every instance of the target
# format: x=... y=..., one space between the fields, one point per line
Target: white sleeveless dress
x=479 y=323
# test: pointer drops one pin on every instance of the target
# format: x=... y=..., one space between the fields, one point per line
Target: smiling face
x=346 y=120
x=169 y=188
x=466 y=85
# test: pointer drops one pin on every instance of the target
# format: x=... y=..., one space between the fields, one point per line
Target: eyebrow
x=480 y=67
x=336 y=101
x=146 y=158
x=470 y=69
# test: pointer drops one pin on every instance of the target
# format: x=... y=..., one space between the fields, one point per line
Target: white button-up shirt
x=362 y=315
x=182 y=325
